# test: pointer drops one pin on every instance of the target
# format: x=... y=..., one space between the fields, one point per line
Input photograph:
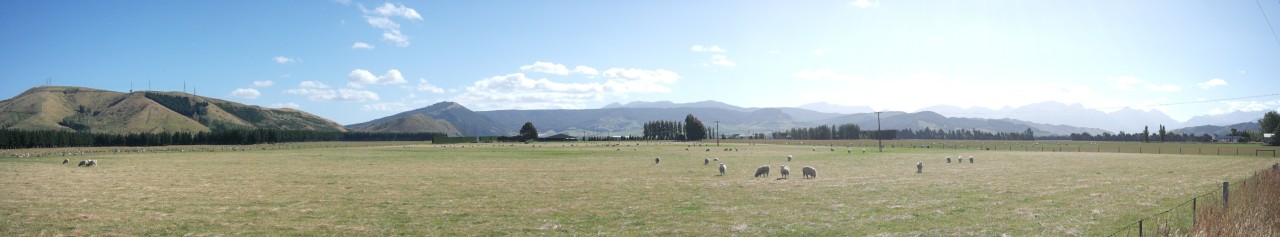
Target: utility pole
x=879 y=142
x=717 y=133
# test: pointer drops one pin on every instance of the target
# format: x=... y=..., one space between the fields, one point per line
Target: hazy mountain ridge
x=94 y=110
x=1218 y=130
x=454 y=120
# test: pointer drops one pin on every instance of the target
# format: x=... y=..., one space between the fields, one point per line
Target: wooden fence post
x=1193 y=213
x=1139 y=228
x=1225 y=191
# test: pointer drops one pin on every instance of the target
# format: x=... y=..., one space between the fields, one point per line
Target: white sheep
x=784 y=171
x=920 y=167
x=91 y=163
x=970 y=159
x=722 y=168
x=809 y=172
x=762 y=171
x=788 y=158
x=715 y=159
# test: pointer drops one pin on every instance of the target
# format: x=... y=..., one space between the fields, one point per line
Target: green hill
x=444 y=117
x=102 y=111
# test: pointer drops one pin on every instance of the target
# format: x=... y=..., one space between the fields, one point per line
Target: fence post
x=1225 y=189
x=1193 y=213
x=1139 y=228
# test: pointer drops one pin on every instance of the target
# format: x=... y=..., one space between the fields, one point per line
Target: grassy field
x=594 y=189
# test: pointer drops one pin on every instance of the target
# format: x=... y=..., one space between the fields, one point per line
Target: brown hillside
x=415 y=123
x=86 y=109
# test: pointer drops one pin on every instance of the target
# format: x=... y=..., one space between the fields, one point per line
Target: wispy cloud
x=519 y=91
x=558 y=69
x=283 y=60
x=361 y=45
x=424 y=86
x=261 y=84
x=713 y=48
x=245 y=93
x=717 y=58
x=381 y=18
x=1216 y=82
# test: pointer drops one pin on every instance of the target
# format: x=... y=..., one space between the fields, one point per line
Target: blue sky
x=353 y=61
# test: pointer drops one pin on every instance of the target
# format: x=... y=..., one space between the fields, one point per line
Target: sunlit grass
x=588 y=189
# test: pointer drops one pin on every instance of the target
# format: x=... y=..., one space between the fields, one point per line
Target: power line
x=1264 y=17
x=1121 y=107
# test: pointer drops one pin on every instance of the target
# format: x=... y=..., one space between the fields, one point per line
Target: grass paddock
x=599 y=189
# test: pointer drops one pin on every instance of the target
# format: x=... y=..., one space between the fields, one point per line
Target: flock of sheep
x=763 y=171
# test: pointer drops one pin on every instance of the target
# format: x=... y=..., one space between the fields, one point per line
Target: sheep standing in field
x=788 y=158
x=809 y=172
x=91 y=163
x=82 y=163
x=656 y=160
x=706 y=161
x=784 y=171
x=762 y=171
x=722 y=168
x=715 y=159
x=970 y=159
x=64 y=161
x=948 y=159
x=920 y=167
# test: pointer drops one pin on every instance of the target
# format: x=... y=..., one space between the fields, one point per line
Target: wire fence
x=1189 y=217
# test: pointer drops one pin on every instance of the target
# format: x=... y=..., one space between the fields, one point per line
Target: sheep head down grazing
x=809 y=172
x=762 y=171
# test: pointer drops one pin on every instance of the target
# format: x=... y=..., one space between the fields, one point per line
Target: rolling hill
x=94 y=110
x=445 y=117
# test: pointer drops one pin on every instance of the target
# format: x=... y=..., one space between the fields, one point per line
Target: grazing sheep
x=64 y=161
x=91 y=163
x=788 y=158
x=722 y=168
x=849 y=151
x=970 y=159
x=784 y=171
x=762 y=171
x=706 y=161
x=809 y=172
x=864 y=150
x=82 y=163
x=948 y=159
x=920 y=167
x=656 y=160
x=716 y=159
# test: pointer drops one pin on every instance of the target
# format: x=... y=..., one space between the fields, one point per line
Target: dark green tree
x=1270 y=123
x=528 y=132
x=1162 y=133
x=1146 y=134
x=693 y=128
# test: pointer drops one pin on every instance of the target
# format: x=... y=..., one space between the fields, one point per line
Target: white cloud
x=342 y=94
x=518 y=91
x=558 y=69
x=260 y=84
x=245 y=93
x=713 y=48
x=424 y=86
x=360 y=77
x=284 y=60
x=864 y=3
x=1164 y=88
x=388 y=9
x=312 y=85
x=289 y=105
x=821 y=52
x=1212 y=83
x=362 y=45
x=381 y=18
x=719 y=59
x=1250 y=106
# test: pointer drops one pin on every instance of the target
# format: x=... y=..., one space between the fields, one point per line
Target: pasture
x=600 y=188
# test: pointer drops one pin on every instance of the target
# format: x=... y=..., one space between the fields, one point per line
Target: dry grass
x=1253 y=209
x=596 y=190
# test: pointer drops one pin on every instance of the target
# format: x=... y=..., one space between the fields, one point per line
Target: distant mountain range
x=93 y=110
x=1218 y=130
x=85 y=109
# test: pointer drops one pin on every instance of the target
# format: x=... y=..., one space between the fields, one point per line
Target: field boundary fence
x=1187 y=218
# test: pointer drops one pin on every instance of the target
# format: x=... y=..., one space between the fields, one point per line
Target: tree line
x=11 y=139
x=847 y=131
x=691 y=129
x=965 y=134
